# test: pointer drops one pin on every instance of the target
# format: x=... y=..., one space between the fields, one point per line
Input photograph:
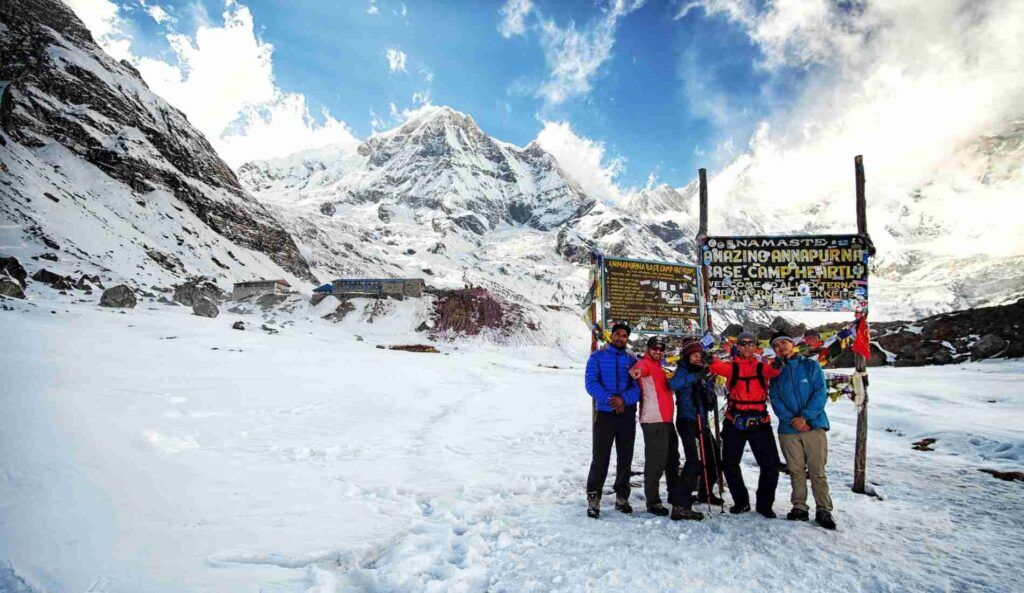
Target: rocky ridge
x=107 y=176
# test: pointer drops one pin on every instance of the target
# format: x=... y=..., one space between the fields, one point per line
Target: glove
x=706 y=357
x=777 y=362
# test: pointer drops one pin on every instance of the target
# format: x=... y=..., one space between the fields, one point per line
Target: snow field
x=159 y=451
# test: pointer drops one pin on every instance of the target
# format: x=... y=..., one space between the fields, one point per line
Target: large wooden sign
x=808 y=273
x=652 y=297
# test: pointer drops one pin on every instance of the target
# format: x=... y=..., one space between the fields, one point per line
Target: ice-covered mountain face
x=103 y=176
x=438 y=198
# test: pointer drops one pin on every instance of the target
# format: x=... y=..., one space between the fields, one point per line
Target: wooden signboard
x=652 y=297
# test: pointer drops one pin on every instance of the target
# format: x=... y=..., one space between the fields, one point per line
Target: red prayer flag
x=862 y=340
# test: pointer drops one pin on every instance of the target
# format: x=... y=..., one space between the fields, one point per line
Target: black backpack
x=759 y=376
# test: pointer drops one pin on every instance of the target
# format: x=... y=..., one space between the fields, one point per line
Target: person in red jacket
x=747 y=421
x=661 y=445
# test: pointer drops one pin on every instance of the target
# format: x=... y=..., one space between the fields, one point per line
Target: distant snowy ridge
x=438 y=198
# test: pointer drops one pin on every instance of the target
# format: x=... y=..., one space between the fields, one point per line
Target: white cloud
x=583 y=160
x=159 y=14
x=574 y=56
x=107 y=28
x=908 y=85
x=513 y=21
x=281 y=127
x=372 y=8
x=223 y=80
x=421 y=97
x=396 y=60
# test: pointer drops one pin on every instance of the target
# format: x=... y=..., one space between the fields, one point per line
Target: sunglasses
x=745 y=343
x=657 y=349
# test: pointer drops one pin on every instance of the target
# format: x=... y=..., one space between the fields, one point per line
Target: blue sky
x=667 y=97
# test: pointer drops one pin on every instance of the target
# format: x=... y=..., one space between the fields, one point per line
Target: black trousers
x=696 y=466
x=618 y=429
x=766 y=453
x=661 y=452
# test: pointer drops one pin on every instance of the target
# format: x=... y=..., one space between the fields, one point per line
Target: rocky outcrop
x=12 y=267
x=974 y=334
x=120 y=296
x=10 y=287
x=988 y=346
x=474 y=311
x=190 y=292
x=54 y=279
x=204 y=307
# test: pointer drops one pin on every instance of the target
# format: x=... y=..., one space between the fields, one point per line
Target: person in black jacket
x=695 y=397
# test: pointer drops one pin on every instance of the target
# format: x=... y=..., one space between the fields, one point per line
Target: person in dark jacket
x=615 y=396
x=798 y=396
x=695 y=396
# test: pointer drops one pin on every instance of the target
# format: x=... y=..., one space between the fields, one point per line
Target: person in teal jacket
x=798 y=396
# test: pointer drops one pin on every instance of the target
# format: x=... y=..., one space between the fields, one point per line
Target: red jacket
x=747 y=394
x=657 y=402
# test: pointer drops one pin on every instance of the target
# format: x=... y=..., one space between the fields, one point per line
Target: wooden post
x=702 y=236
x=860 y=363
x=702 y=231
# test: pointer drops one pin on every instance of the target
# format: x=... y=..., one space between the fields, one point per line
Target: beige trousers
x=806 y=454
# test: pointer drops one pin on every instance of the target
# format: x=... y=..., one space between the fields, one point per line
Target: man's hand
x=706 y=357
x=635 y=372
x=617 y=403
x=777 y=362
x=800 y=424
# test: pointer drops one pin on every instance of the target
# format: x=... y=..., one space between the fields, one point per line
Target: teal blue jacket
x=799 y=390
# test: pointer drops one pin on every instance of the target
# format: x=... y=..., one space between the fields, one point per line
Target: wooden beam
x=860 y=452
x=862 y=210
x=702 y=230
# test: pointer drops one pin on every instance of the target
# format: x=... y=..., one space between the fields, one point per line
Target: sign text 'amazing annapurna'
x=812 y=273
x=653 y=297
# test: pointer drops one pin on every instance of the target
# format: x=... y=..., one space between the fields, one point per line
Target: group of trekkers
x=794 y=386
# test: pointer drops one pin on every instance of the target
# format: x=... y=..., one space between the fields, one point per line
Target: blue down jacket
x=799 y=390
x=684 y=383
x=608 y=374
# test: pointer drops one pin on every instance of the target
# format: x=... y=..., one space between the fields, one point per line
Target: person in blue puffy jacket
x=798 y=397
x=615 y=395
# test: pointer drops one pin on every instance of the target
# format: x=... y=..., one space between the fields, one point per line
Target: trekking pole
x=703 y=455
x=718 y=458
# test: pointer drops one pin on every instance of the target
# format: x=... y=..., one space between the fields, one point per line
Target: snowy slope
x=96 y=163
x=187 y=456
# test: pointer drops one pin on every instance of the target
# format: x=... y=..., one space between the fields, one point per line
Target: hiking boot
x=680 y=513
x=622 y=504
x=824 y=518
x=739 y=509
x=657 y=509
x=798 y=515
x=715 y=500
x=767 y=513
x=593 y=504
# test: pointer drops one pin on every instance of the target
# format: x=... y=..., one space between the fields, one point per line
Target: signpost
x=809 y=273
x=652 y=297
x=795 y=273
